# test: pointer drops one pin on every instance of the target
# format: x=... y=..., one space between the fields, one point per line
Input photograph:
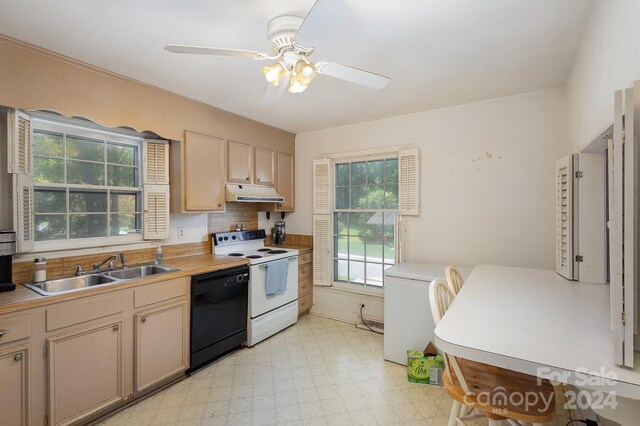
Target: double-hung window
x=87 y=185
x=364 y=220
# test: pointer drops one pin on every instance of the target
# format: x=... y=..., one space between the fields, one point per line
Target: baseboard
x=333 y=313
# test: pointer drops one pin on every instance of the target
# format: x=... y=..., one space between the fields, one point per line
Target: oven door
x=259 y=303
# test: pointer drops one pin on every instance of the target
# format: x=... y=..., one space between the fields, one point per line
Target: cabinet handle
x=3 y=332
x=18 y=357
x=258 y=180
x=219 y=204
x=143 y=319
x=247 y=179
x=116 y=327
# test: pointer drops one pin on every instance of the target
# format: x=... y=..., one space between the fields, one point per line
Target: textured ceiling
x=437 y=52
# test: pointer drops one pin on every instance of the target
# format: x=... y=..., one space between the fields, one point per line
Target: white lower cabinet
x=160 y=344
x=85 y=372
x=14 y=391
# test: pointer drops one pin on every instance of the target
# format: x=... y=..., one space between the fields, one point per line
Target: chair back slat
x=440 y=297
x=454 y=279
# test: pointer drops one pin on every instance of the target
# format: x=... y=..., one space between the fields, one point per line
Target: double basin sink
x=92 y=279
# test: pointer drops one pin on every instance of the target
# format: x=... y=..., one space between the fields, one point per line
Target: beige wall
x=608 y=60
x=31 y=78
x=487 y=184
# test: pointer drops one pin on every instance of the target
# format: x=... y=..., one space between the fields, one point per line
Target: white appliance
x=408 y=323
x=267 y=315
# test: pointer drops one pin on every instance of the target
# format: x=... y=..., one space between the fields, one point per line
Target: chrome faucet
x=79 y=270
x=109 y=260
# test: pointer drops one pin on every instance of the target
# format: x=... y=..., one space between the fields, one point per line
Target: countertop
x=24 y=298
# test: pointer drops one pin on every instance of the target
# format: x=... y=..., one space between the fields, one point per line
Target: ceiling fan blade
x=324 y=16
x=199 y=50
x=353 y=75
x=273 y=94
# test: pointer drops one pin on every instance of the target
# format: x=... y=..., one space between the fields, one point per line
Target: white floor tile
x=318 y=372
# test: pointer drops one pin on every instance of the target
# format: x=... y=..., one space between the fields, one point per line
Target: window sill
x=362 y=291
x=50 y=253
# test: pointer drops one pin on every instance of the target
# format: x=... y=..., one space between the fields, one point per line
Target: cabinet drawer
x=305 y=258
x=15 y=328
x=304 y=303
x=87 y=309
x=304 y=271
x=158 y=292
x=304 y=287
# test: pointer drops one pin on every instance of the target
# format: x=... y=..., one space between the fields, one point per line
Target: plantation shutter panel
x=156 y=164
x=322 y=223
x=23 y=212
x=322 y=186
x=564 y=216
x=409 y=181
x=322 y=259
x=156 y=190
x=20 y=158
x=156 y=212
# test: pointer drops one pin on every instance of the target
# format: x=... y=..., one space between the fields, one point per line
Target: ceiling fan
x=292 y=40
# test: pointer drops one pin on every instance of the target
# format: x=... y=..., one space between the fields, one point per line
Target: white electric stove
x=268 y=314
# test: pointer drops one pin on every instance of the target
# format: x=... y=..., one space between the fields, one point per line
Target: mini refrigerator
x=408 y=323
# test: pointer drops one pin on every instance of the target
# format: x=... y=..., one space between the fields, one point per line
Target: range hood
x=242 y=193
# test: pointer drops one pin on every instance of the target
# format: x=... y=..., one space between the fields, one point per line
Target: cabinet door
x=285 y=184
x=265 y=160
x=14 y=393
x=203 y=172
x=161 y=344
x=85 y=372
x=239 y=164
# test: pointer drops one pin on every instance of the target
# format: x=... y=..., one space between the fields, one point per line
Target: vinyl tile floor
x=316 y=372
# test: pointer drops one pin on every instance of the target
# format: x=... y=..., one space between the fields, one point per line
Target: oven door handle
x=264 y=265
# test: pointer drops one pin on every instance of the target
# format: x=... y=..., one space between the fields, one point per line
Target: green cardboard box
x=425 y=366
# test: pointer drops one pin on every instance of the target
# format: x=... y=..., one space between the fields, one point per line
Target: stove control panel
x=222 y=238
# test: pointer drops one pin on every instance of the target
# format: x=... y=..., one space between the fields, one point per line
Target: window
x=86 y=184
x=364 y=220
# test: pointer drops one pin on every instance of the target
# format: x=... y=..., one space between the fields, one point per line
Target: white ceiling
x=437 y=52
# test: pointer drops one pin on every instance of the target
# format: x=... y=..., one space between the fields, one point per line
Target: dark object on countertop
x=7 y=250
x=7 y=287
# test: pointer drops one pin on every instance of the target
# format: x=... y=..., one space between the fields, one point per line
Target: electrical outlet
x=180 y=233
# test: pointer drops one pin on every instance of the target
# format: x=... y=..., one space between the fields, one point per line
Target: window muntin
x=86 y=184
x=366 y=206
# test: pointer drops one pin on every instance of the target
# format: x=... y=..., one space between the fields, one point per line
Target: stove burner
x=277 y=251
x=264 y=249
x=254 y=256
x=235 y=254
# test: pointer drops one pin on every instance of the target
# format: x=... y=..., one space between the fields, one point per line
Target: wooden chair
x=482 y=390
x=454 y=279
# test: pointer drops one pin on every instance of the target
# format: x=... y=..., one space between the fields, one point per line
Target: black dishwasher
x=218 y=313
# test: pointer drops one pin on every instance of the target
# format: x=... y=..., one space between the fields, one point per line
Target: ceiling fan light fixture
x=304 y=72
x=273 y=73
x=296 y=87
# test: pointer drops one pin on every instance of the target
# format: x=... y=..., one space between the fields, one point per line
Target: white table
x=536 y=322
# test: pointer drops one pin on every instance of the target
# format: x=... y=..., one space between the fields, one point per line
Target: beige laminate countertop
x=25 y=298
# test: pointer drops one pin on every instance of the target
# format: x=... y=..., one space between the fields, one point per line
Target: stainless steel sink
x=139 y=271
x=79 y=283
x=69 y=284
